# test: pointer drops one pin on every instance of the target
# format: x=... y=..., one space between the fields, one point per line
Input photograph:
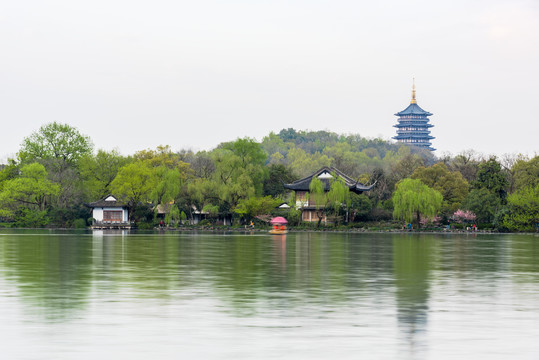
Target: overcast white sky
x=191 y=74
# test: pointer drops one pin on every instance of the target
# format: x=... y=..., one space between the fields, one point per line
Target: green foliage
x=55 y=141
x=173 y=216
x=526 y=173
x=142 y=213
x=29 y=218
x=466 y=163
x=167 y=185
x=317 y=191
x=303 y=164
x=99 y=171
x=274 y=144
x=483 y=203
x=523 y=214
x=79 y=224
x=277 y=175
x=361 y=206
x=234 y=178
x=133 y=183
x=317 y=195
x=336 y=199
x=66 y=217
x=31 y=190
x=338 y=195
x=212 y=212
x=406 y=165
x=239 y=171
x=491 y=177
x=412 y=197
x=450 y=184
x=254 y=206
x=8 y=172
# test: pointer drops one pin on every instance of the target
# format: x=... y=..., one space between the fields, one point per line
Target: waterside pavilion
x=326 y=175
x=109 y=213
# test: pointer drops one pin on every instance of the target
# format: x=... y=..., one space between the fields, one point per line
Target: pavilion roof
x=325 y=175
x=107 y=201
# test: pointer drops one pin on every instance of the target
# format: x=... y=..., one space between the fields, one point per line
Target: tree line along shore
x=57 y=172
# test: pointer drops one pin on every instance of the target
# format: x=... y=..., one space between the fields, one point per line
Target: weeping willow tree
x=338 y=196
x=317 y=194
x=412 y=197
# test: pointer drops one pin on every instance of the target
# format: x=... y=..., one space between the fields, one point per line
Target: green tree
x=167 y=188
x=338 y=196
x=406 y=166
x=99 y=171
x=161 y=156
x=31 y=190
x=59 y=147
x=8 y=171
x=55 y=141
x=466 y=163
x=491 y=177
x=523 y=214
x=239 y=171
x=450 y=184
x=412 y=197
x=526 y=173
x=201 y=164
x=277 y=175
x=273 y=143
x=484 y=203
x=133 y=184
x=317 y=195
x=361 y=206
x=254 y=206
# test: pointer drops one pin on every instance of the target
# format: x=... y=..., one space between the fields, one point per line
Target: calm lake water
x=67 y=295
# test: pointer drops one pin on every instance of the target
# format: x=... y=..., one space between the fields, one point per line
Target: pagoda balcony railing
x=420 y=123
x=413 y=116
x=414 y=136
x=416 y=143
x=413 y=131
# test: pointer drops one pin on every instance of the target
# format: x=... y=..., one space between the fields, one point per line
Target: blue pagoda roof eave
x=406 y=125
x=413 y=109
x=411 y=136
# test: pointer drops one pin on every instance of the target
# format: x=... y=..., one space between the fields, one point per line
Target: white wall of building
x=97 y=213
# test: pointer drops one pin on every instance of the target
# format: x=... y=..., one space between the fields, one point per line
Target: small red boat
x=279 y=225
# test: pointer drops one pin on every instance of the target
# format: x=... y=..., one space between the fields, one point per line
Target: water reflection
x=353 y=284
x=411 y=265
x=52 y=272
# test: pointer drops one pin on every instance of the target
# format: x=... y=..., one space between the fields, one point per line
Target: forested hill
x=57 y=171
x=307 y=151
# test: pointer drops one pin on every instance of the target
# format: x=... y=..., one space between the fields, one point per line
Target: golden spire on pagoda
x=413 y=94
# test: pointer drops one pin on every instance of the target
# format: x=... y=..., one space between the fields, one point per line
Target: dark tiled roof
x=413 y=109
x=303 y=184
x=103 y=203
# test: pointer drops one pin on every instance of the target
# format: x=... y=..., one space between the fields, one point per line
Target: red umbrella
x=279 y=220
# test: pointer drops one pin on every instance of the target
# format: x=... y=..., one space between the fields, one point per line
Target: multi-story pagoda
x=413 y=126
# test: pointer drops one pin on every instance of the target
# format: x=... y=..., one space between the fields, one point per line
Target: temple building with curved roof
x=309 y=211
x=413 y=125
